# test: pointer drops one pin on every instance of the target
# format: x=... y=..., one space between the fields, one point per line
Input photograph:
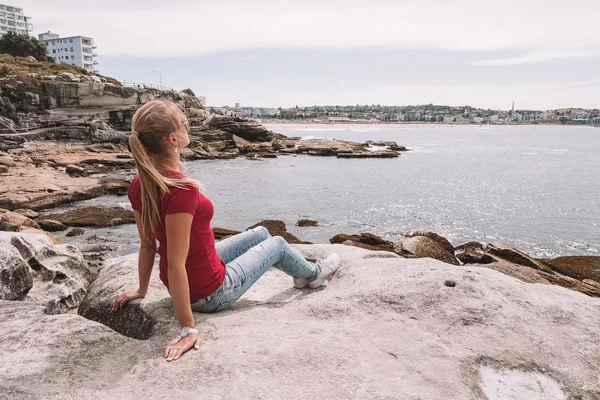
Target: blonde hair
x=151 y=126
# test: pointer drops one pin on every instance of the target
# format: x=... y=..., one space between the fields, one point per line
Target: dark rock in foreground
x=139 y=319
x=278 y=228
x=427 y=244
x=364 y=240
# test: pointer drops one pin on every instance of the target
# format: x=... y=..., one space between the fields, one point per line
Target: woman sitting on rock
x=200 y=275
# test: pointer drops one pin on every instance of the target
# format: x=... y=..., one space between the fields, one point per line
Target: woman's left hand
x=184 y=344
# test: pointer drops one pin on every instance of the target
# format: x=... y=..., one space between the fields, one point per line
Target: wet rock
x=15 y=274
x=60 y=275
x=138 y=319
x=578 y=267
x=266 y=155
x=442 y=241
x=278 y=228
x=472 y=246
x=75 y=171
x=222 y=233
x=113 y=186
x=368 y=154
x=424 y=246
x=95 y=216
x=515 y=256
x=75 y=232
x=365 y=240
x=51 y=225
x=11 y=221
x=474 y=257
x=307 y=222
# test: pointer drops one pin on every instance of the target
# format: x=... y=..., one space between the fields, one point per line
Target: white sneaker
x=327 y=268
x=300 y=283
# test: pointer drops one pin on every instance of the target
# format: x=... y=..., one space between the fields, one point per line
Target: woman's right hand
x=126 y=297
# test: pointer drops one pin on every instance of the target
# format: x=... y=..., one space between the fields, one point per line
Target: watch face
x=185 y=331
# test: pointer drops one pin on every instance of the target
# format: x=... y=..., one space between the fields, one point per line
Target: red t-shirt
x=204 y=268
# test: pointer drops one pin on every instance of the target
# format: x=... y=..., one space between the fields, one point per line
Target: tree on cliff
x=23 y=46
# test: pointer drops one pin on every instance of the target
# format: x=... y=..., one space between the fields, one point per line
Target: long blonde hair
x=151 y=125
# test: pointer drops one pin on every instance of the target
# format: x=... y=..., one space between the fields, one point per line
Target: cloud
x=543 y=55
x=185 y=27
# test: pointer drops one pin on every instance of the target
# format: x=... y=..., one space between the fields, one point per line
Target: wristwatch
x=185 y=331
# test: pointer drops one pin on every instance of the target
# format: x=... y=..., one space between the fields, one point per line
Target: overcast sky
x=539 y=53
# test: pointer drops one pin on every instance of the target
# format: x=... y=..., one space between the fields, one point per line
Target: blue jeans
x=247 y=256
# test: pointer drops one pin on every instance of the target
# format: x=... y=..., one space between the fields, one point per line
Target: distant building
x=74 y=50
x=12 y=19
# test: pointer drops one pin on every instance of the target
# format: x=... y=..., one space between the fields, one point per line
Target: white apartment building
x=74 y=50
x=12 y=19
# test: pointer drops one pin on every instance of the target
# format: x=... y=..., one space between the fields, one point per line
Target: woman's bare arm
x=145 y=264
x=178 y=227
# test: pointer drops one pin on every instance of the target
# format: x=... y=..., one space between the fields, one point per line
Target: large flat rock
x=382 y=328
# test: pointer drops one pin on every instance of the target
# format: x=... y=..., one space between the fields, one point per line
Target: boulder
x=474 y=257
x=578 y=267
x=222 y=233
x=442 y=241
x=278 y=228
x=472 y=246
x=15 y=274
x=515 y=256
x=365 y=240
x=11 y=221
x=75 y=232
x=307 y=222
x=483 y=335
x=139 y=319
x=95 y=216
x=60 y=275
x=51 y=225
x=424 y=246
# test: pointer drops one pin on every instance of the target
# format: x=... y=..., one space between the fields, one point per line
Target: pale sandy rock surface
x=383 y=328
x=60 y=274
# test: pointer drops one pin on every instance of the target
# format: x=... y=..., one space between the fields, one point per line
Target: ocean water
x=531 y=187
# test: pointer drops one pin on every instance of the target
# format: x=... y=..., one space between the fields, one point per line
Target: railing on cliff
x=146 y=86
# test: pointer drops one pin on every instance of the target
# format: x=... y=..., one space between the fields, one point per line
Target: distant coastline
x=283 y=124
